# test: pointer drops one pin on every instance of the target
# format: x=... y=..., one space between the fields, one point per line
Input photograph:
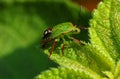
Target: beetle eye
x=45 y=32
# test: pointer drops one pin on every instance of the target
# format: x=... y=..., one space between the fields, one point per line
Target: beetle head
x=47 y=33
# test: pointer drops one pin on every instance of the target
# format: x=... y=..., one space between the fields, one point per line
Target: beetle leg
x=82 y=28
x=77 y=41
x=53 y=46
x=44 y=42
x=63 y=46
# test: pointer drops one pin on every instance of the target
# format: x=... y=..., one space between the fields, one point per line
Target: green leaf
x=117 y=70
x=100 y=31
x=104 y=32
x=63 y=73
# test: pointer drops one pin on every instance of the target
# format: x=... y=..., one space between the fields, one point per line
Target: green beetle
x=59 y=32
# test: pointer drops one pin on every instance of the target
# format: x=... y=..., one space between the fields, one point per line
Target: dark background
x=89 y=4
